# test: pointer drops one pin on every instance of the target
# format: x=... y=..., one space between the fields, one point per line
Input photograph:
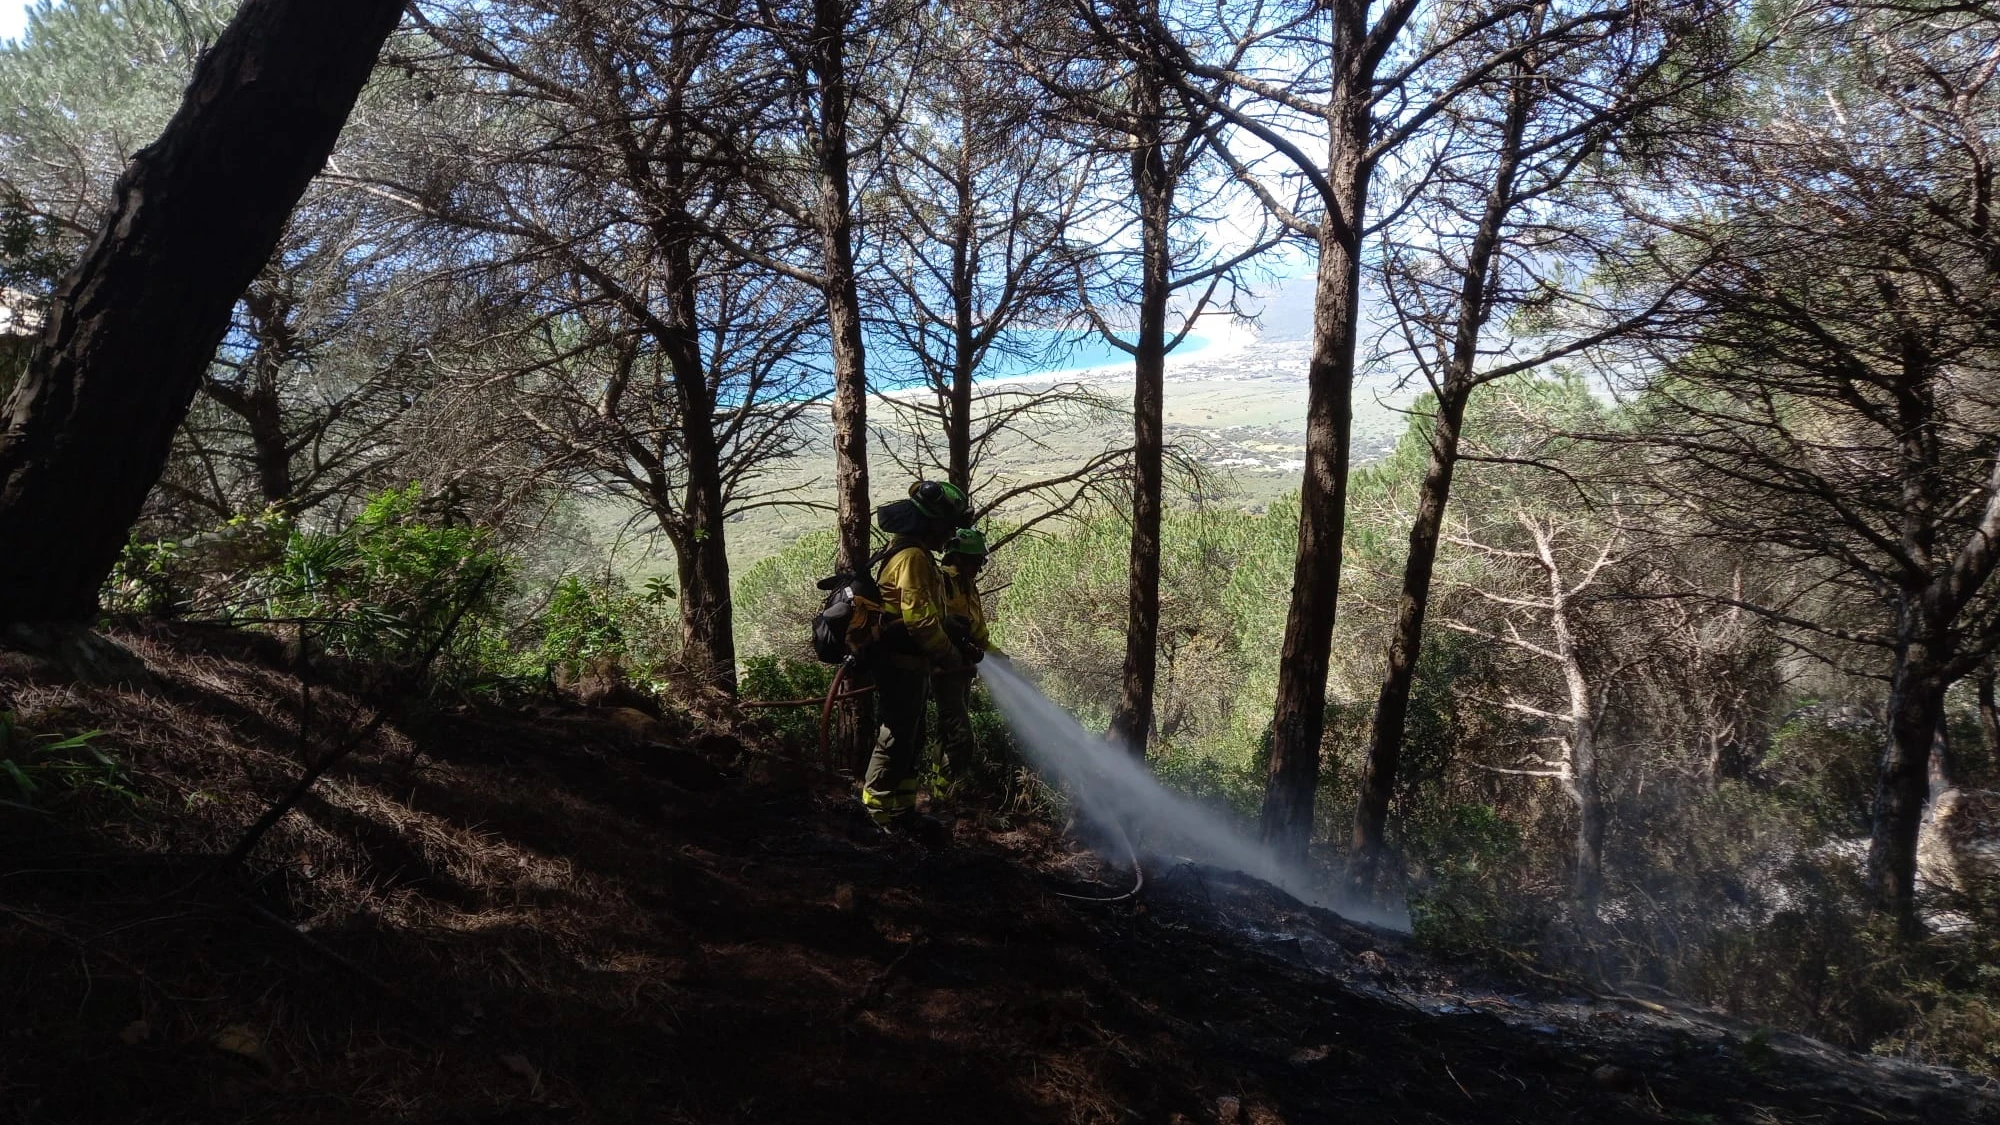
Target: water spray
x=1118 y=795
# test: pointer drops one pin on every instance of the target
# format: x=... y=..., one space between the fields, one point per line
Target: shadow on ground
x=497 y=915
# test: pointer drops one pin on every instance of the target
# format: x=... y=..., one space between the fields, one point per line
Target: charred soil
x=490 y=914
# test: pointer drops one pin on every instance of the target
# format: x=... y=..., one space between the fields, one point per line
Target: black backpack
x=850 y=620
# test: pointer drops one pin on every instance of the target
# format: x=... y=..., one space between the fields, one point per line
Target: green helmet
x=967 y=541
x=939 y=500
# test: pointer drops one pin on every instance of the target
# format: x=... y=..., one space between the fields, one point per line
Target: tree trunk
x=271 y=450
x=1585 y=791
x=1916 y=704
x=1299 y=718
x=964 y=277
x=1943 y=769
x=1132 y=721
x=835 y=215
x=1392 y=703
x=1589 y=798
x=708 y=619
x=87 y=432
x=1989 y=716
x=708 y=629
x=1584 y=715
x=1917 y=679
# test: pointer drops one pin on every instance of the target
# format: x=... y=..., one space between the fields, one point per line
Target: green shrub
x=1825 y=772
x=1467 y=898
x=775 y=598
x=592 y=623
x=38 y=768
x=769 y=677
x=216 y=573
x=386 y=587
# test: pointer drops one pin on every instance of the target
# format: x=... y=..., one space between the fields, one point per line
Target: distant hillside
x=1238 y=406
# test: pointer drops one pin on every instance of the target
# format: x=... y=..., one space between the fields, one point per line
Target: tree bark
x=260 y=401
x=964 y=277
x=271 y=450
x=1943 y=769
x=131 y=329
x=1392 y=703
x=835 y=214
x=1989 y=716
x=1916 y=706
x=1583 y=720
x=708 y=616
x=1132 y=721
x=1299 y=718
x=1918 y=678
x=708 y=629
x=1590 y=822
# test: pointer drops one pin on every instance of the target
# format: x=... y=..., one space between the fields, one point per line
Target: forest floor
x=491 y=914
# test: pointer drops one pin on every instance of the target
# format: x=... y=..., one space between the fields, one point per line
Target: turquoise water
x=1027 y=352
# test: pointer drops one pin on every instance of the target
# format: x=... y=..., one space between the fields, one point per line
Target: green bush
x=769 y=677
x=1825 y=772
x=38 y=768
x=386 y=587
x=592 y=623
x=776 y=599
x=1468 y=897
x=220 y=572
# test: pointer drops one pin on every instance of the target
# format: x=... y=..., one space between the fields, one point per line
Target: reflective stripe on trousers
x=890 y=788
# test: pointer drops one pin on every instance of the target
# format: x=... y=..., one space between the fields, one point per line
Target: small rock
x=1617 y=1079
x=1228 y=1111
x=683 y=768
x=720 y=745
x=636 y=722
x=520 y=1065
x=135 y=1033
x=239 y=1040
x=772 y=773
x=1369 y=961
x=844 y=899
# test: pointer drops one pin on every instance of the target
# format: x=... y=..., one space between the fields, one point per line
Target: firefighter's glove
x=960 y=632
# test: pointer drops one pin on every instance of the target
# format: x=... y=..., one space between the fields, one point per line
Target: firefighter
x=964 y=557
x=913 y=644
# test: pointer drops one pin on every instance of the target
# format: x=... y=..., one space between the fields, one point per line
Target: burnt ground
x=507 y=915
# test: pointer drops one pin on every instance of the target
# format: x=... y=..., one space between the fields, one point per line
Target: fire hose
x=835 y=695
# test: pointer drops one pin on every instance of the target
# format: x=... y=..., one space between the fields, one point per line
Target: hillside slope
x=1237 y=408
x=553 y=914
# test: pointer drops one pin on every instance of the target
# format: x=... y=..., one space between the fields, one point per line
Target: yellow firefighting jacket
x=913 y=593
x=961 y=599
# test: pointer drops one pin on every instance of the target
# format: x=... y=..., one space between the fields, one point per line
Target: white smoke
x=1113 y=788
